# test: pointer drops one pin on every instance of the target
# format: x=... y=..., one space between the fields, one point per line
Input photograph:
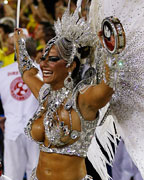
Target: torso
x=60 y=166
x=57 y=166
x=38 y=129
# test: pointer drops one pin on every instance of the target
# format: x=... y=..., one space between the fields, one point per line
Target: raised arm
x=95 y=97
x=27 y=68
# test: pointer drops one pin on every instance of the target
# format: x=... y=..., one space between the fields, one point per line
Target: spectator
x=1 y=10
x=4 y=32
x=6 y=11
x=19 y=104
x=43 y=33
x=6 y=43
x=7 y=55
x=31 y=13
x=60 y=7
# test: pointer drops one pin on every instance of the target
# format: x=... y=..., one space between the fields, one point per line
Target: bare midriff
x=53 y=166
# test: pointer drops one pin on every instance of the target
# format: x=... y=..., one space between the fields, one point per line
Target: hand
x=18 y=34
x=100 y=34
x=2 y=123
x=28 y=2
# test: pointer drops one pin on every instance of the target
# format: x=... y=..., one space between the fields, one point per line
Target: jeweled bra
x=53 y=129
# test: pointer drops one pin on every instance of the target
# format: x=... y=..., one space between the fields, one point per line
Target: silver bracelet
x=115 y=67
x=25 y=61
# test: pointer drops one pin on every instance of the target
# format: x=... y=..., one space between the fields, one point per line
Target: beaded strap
x=112 y=72
x=44 y=91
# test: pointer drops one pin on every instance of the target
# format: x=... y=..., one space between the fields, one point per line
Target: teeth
x=47 y=73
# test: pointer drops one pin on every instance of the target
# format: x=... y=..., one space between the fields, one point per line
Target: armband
x=25 y=62
x=115 y=68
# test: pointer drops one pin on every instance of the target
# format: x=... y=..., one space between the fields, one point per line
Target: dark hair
x=31 y=46
x=6 y=28
x=48 y=30
x=77 y=72
x=45 y=23
x=1 y=10
x=49 y=33
x=84 y=51
x=49 y=4
x=106 y=24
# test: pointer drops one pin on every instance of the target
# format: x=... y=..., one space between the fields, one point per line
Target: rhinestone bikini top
x=53 y=129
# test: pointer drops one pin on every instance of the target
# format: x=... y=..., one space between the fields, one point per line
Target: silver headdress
x=72 y=32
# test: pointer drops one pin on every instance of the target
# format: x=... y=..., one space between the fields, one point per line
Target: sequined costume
x=73 y=32
x=127 y=104
x=78 y=148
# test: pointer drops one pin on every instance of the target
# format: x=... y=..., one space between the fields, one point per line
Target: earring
x=68 y=82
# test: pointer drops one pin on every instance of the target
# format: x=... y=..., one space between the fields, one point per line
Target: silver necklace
x=53 y=127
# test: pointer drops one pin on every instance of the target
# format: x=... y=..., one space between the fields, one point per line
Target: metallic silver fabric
x=25 y=62
x=78 y=148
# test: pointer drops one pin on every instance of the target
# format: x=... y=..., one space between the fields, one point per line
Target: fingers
x=100 y=35
x=18 y=31
x=2 y=119
x=18 y=34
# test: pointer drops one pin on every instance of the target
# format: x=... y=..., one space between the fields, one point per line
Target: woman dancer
x=65 y=121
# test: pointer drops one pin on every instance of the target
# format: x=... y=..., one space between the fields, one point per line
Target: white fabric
x=95 y=154
x=3 y=177
x=123 y=166
x=19 y=107
x=20 y=156
x=128 y=104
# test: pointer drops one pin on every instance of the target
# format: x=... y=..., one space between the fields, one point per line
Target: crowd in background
x=37 y=17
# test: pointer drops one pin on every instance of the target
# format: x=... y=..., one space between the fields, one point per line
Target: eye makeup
x=51 y=58
x=54 y=58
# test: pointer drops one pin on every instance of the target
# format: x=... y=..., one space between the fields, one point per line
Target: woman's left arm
x=97 y=96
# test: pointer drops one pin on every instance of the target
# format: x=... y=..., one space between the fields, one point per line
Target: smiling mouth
x=47 y=73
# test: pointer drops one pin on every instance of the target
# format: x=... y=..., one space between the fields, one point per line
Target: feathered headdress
x=72 y=32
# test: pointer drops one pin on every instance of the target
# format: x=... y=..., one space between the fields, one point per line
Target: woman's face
x=54 y=69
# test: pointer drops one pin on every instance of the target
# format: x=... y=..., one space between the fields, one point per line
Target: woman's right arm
x=27 y=69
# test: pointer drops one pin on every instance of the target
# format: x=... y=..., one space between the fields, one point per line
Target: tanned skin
x=57 y=166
